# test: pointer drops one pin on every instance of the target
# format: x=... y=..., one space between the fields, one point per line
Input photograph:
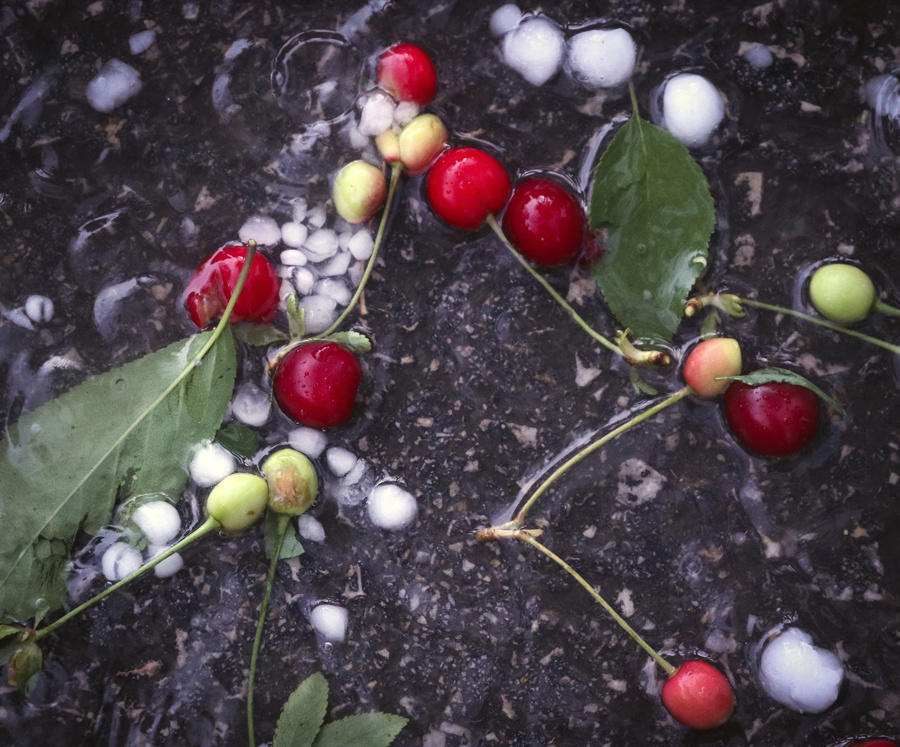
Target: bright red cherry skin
x=316 y=384
x=407 y=73
x=465 y=185
x=698 y=695
x=210 y=288
x=874 y=743
x=777 y=419
x=544 y=221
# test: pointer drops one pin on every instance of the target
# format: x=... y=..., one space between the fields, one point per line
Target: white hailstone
x=120 y=560
x=39 y=308
x=692 y=108
x=190 y=11
x=304 y=279
x=293 y=258
x=405 y=113
x=391 y=507
x=168 y=567
x=321 y=245
x=286 y=272
x=19 y=317
x=356 y=139
x=330 y=621
x=344 y=240
x=340 y=461
x=298 y=209
x=535 y=50
x=377 y=114
x=113 y=85
x=356 y=474
x=758 y=55
x=505 y=19
x=336 y=289
x=141 y=41
x=316 y=217
x=264 y=230
x=308 y=441
x=355 y=273
x=211 y=464
x=798 y=674
x=361 y=244
x=293 y=234
x=159 y=521
x=337 y=265
x=883 y=94
x=319 y=313
x=601 y=58
x=286 y=290
x=251 y=405
x=310 y=528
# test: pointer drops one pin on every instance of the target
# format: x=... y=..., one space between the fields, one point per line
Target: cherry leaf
x=303 y=714
x=361 y=730
x=654 y=201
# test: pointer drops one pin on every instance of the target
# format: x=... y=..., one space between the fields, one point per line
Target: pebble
x=113 y=86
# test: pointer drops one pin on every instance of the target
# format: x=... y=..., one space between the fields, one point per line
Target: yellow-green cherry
x=238 y=501
x=359 y=191
x=842 y=293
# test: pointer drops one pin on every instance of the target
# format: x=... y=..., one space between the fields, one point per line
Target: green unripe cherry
x=842 y=293
x=292 y=482
x=238 y=501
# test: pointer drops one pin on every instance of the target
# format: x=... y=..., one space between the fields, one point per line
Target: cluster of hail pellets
x=160 y=523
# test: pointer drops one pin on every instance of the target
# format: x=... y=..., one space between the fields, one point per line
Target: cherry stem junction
x=283 y=520
x=528 y=537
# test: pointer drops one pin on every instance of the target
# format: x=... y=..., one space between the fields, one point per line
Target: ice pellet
x=535 y=50
x=113 y=86
x=330 y=621
x=340 y=461
x=310 y=528
x=337 y=265
x=505 y=19
x=293 y=234
x=391 y=507
x=39 y=308
x=361 y=244
x=293 y=257
x=141 y=41
x=168 y=567
x=377 y=114
x=251 y=405
x=759 y=56
x=405 y=112
x=601 y=58
x=304 y=279
x=298 y=209
x=321 y=245
x=210 y=464
x=692 y=108
x=316 y=217
x=320 y=313
x=159 y=521
x=120 y=560
x=336 y=289
x=308 y=441
x=262 y=229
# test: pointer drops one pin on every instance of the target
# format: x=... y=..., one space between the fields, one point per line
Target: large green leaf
x=361 y=730
x=303 y=713
x=69 y=461
x=654 y=201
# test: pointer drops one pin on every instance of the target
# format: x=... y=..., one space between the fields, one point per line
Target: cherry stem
x=492 y=222
x=283 y=520
x=822 y=323
x=528 y=537
x=205 y=528
x=590 y=448
x=885 y=308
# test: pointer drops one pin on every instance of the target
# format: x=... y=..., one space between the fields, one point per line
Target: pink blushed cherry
x=708 y=362
x=698 y=695
x=465 y=185
x=407 y=73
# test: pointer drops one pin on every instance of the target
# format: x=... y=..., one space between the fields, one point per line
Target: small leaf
x=296 y=319
x=303 y=714
x=655 y=203
x=239 y=439
x=9 y=630
x=361 y=730
x=290 y=546
x=258 y=335
x=773 y=373
x=356 y=341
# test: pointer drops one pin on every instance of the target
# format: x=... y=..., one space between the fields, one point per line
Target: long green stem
x=205 y=528
x=593 y=446
x=492 y=222
x=283 y=520
x=823 y=323
x=885 y=308
x=528 y=538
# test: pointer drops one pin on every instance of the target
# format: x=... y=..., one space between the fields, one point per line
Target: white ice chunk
x=356 y=473
x=316 y=217
x=535 y=50
x=405 y=112
x=601 y=58
x=113 y=85
x=336 y=289
x=251 y=405
x=883 y=95
x=692 y=108
x=321 y=245
x=159 y=520
x=168 y=567
x=320 y=313
x=304 y=280
x=361 y=244
x=344 y=240
x=298 y=209
x=308 y=441
x=800 y=675
x=505 y=19
x=286 y=290
x=340 y=461
x=120 y=560
x=211 y=464
x=293 y=258
x=758 y=55
x=262 y=229
x=391 y=507
x=355 y=273
x=310 y=528
x=337 y=265
x=377 y=114
x=39 y=308
x=190 y=11
x=141 y=41
x=293 y=234
x=330 y=621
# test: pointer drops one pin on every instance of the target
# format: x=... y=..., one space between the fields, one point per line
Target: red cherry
x=874 y=743
x=465 y=185
x=210 y=288
x=775 y=419
x=698 y=695
x=316 y=384
x=407 y=73
x=544 y=221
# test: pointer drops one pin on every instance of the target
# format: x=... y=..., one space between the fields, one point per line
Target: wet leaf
x=303 y=714
x=290 y=545
x=69 y=461
x=361 y=730
x=355 y=341
x=258 y=335
x=239 y=439
x=654 y=201
x=773 y=373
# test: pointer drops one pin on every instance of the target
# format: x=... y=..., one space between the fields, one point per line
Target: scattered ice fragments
x=251 y=405
x=329 y=621
x=159 y=521
x=692 y=108
x=308 y=441
x=798 y=674
x=534 y=49
x=211 y=463
x=120 y=560
x=113 y=86
x=377 y=114
x=262 y=229
x=391 y=507
x=601 y=58
x=310 y=528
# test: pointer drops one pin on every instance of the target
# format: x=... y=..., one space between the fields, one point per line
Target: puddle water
x=478 y=385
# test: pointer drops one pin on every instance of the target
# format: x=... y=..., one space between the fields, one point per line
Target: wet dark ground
x=477 y=383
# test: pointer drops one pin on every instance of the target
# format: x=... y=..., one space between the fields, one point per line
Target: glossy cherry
x=698 y=695
x=210 y=288
x=407 y=73
x=777 y=419
x=316 y=384
x=874 y=743
x=465 y=185
x=544 y=221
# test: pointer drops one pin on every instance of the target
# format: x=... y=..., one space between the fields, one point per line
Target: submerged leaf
x=303 y=714
x=68 y=462
x=654 y=201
